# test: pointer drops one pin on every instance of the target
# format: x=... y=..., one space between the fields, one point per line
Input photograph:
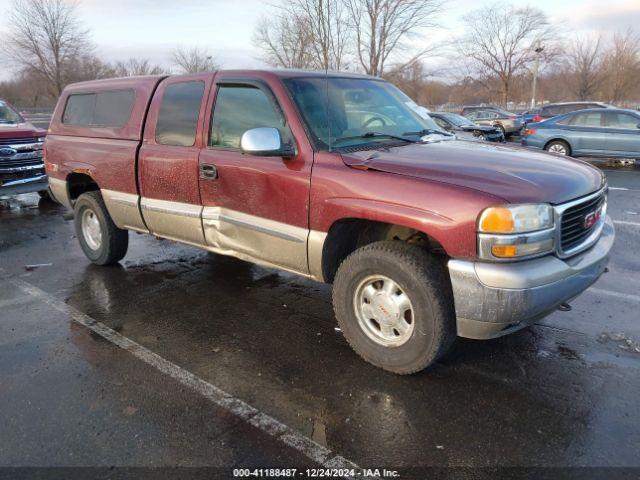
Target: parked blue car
x=595 y=132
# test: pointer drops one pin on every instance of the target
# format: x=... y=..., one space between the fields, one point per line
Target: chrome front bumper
x=494 y=299
x=25 y=185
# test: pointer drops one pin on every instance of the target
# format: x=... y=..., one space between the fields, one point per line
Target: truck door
x=255 y=207
x=168 y=159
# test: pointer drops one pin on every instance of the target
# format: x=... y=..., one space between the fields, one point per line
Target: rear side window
x=179 y=111
x=100 y=109
x=565 y=121
x=590 y=119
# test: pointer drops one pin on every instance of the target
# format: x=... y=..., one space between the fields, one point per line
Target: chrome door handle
x=208 y=171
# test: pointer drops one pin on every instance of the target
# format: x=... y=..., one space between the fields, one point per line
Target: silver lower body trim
x=256 y=239
x=173 y=220
x=58 y=189
x=124 y=209
x=492 y=300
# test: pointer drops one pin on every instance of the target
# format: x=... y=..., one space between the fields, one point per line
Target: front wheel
x=558 y=147
x=102 y=242
x=394 y=304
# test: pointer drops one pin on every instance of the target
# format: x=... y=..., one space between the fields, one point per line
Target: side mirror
x=266 y=142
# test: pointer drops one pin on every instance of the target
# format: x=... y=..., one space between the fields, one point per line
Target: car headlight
x=516 y=231
x=516 y=218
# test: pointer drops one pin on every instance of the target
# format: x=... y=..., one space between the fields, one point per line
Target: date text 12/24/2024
x=314 y=473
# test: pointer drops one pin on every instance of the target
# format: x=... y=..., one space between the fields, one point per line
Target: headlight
x=516 y=219
x=516 y=231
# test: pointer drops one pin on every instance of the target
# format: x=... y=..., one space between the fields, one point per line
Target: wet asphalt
x=563 y=393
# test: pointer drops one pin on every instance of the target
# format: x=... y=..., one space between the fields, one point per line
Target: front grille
x=28 y=153
x=6 y=178
x=573 y=231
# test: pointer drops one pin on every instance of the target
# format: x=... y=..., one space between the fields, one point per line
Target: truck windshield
x=9 y=115
x=343 y=112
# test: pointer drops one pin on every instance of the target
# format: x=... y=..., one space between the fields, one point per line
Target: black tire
x=502 y=130
x=558 y=143
x=114 y=241
x=424 y=279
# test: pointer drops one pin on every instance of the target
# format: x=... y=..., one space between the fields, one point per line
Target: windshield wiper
x=376 y=135
x=427 y=131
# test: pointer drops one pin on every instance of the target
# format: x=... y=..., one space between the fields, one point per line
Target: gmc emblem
x=590 y=219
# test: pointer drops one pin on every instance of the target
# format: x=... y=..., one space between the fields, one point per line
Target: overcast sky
x=152 y=28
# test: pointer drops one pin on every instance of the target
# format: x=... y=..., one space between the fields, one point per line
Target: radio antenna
x=326 y=68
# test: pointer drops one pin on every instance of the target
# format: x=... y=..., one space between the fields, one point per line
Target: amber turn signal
x=497 y=220
x=504 y=251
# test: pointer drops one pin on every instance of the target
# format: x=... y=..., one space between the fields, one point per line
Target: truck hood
x=19 y=130
x=513 y=173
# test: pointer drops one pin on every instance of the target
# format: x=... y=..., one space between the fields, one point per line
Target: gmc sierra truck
x=21 y=165
x=337 y=178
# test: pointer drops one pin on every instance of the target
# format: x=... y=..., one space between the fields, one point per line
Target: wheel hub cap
x=384 y=311
x=558 y=149
x=91 y=230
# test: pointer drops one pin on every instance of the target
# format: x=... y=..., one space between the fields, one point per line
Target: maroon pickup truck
x=336 y=178
x=21 y=165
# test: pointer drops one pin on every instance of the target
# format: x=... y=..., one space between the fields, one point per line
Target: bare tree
x=622 y=65
x=381 y=28
x=46 y=37
x=584 y=59
x=305 y=34
x=328 y=27
x=136 y=66
x=194 y=60
x=499 y=41
x=285 y=40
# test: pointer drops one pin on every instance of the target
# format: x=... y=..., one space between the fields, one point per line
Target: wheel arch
x=79 y=182
x=348 y=234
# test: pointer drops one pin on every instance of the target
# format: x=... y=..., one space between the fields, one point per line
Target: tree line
x=491 y=60
x=51 y=49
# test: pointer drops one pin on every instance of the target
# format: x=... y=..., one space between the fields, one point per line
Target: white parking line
x=624 y=222
x=624 y=189
x=15 y=301
x=249 y=414
x=625 y=296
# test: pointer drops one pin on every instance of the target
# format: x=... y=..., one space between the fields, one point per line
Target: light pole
x=538 y=49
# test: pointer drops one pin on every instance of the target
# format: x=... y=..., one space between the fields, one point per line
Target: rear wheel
x=558 y=147
x=394 y=304
x=102 y=242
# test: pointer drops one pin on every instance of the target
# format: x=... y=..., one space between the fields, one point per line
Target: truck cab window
x=239 y=108
x=179 y=111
